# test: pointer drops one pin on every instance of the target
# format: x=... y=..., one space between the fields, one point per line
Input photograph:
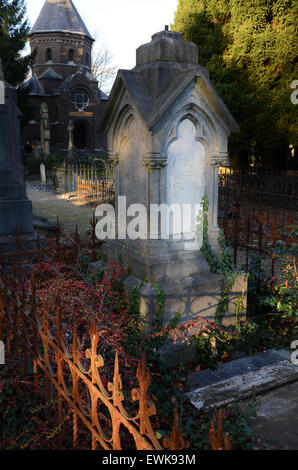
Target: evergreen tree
x=14 y=30
x=249 y=47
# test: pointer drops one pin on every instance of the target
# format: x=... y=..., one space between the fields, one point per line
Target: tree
x=101 y=65
x=14 y=29
x=249 y=47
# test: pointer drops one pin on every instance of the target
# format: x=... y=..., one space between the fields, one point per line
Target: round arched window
x=70 y=55
x=80 y=99
x=49 y=55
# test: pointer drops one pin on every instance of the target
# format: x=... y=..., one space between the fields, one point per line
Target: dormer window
x=49 y=55
x=70 y=55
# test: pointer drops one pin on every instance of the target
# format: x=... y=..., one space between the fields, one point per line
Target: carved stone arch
x=128 y=122
x=206 y=132
x=122 y=143
x=121 y=128
x=186 y=173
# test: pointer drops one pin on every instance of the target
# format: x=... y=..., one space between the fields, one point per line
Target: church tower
x=61 y=39
x=62 y=80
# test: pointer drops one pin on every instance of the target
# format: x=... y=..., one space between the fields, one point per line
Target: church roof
x=35 y=86
x=60 y=16
x=50 y=73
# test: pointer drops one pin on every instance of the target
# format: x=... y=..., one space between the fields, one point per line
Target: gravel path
x=50 y=206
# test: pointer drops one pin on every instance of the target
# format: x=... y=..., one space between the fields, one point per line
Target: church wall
x=60 y=44
x=60 y=113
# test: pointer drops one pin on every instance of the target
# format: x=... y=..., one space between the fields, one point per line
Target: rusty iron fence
x=89 y=183
x=38 y=339
x=255 y=236
x=266 y=189
x=43 y=340
x=24 y=251
x=258 y=213
x=90 y=191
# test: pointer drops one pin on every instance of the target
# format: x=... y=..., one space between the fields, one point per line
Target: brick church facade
x=61 y=78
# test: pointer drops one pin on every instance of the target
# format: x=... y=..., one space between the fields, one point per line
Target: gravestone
x=15 y=208
x=43 y=175
x=36 y=150
x=168 y=132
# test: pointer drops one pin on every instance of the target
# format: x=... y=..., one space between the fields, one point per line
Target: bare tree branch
x=101 y=65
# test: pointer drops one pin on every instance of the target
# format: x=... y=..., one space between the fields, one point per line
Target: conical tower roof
x=60 y=16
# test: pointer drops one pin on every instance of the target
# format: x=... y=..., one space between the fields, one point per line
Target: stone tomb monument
x=15 y=208
x=167 y=132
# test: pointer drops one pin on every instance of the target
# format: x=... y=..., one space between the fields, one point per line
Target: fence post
x=274 y=239
x=247 y=241
x=260 y=250
x=236 y=230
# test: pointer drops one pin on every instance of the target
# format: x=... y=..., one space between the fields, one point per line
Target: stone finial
x=1 y=71
x=167 y=46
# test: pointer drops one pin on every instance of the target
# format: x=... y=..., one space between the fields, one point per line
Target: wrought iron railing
x=42 y=339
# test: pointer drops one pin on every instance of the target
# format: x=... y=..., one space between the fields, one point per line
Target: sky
x=123 y=25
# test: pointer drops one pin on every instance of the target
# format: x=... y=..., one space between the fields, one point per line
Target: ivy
x=160 y=303
x=220 y=265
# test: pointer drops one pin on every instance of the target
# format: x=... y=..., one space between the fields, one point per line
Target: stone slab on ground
x=97 y=266
x=41 y=223
x=240 y=379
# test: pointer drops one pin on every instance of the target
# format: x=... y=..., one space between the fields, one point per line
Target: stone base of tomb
x=157 y=260
x=189 y=287
x=191 y=297
x=194 y=298
x=15 y=213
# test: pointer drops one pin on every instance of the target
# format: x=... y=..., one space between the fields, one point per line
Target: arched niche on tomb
x=185 y=179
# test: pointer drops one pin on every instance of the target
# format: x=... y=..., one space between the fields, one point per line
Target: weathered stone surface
x=41 y=223
x=96 y=267
x=167 y=132
x=15 y=208
x=179 y=353
x=276 y=420
x=167 y=46
x=237 y=299
x=157 y=260
x=240 y=379
x=231 y=369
